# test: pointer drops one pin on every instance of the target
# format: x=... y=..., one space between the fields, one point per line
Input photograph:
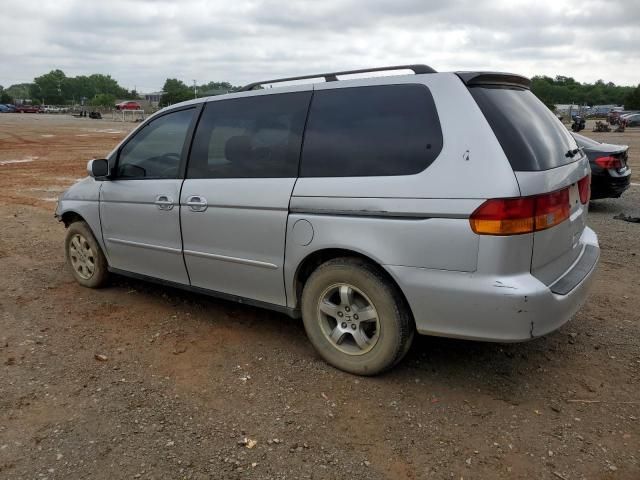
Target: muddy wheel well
x=314 y=260
x=70 y=217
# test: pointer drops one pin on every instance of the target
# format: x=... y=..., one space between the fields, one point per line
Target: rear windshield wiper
x=572 y=153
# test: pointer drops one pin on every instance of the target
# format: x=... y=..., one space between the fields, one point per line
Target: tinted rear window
x=531 y=136
x=250 y=137
x=371 y=131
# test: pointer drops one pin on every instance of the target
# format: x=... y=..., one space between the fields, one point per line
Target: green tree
x=56 y=88
x=4 y=96
x=632 y=99
x=558 y=90
x=106 y=84
x=214 y=88
x=19 y=91
x=49 y=87
x=103 y=100
x=175 y=91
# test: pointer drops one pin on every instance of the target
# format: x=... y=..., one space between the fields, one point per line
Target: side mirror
x=98 y=168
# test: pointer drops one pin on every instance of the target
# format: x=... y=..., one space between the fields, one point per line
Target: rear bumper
x=496 y=308
x=606 y=186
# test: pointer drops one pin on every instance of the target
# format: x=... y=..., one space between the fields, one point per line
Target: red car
x=130 y=105
x=28 y=109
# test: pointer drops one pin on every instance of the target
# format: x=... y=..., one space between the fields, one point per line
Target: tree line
x=566 y=90
x=55 y=88
x=175 y=91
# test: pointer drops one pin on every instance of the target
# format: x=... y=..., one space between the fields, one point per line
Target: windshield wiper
x=572 y=153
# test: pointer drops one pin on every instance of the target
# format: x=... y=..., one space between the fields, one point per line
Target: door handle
x=197 y=203
x=164 y=202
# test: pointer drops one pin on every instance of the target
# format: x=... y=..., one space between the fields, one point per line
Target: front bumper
x=494 y=308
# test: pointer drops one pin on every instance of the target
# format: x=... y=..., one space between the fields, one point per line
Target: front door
x=139 y=206
x=235 y=199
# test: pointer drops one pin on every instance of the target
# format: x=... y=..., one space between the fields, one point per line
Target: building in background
x=153 y=98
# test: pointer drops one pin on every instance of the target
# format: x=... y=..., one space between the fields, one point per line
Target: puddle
x=25 y=160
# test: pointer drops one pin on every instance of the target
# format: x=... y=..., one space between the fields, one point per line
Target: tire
x=342 y=327
x=84 y=256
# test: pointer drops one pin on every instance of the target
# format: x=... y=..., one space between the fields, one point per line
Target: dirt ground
x=188 y=383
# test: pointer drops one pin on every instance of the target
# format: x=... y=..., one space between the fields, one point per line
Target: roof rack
x=333 y=76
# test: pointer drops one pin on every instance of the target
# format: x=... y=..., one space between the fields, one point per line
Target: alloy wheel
x=82 y=256
x=348 y=319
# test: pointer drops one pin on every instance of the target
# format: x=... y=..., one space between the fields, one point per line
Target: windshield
x=531 y=136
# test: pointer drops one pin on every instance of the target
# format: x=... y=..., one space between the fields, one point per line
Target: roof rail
x=333 y=76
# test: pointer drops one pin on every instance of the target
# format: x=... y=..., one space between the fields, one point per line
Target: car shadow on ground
x=604 y=206
x=505 y=371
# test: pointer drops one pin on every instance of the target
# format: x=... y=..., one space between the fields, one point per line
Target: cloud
x=141 y=43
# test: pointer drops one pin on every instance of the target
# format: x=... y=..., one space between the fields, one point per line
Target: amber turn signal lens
x=513 y=216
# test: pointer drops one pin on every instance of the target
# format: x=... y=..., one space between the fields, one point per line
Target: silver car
x=449 y=204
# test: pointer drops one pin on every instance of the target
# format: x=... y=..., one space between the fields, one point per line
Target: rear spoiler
x=494 y=78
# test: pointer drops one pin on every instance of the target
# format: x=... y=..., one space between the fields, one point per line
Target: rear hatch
x=544 y=157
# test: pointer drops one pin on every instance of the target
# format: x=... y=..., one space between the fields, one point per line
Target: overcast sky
x=141 y=43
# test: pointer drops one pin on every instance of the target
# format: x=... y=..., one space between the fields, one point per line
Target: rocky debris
x=248 y=442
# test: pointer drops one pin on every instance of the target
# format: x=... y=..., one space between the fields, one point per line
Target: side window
x=371 y=131
x=156 y=150
x=250 y=137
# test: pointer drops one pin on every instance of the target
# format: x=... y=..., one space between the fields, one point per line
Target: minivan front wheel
x=84 y=256
x=355 y=318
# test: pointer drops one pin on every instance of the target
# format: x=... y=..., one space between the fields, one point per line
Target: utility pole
x=195 y=90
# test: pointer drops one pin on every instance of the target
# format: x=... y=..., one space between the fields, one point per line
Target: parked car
x=54 y=109
x=393 y=217
x=130 y=105
x=4 y=108
x=610 y=173
x=632 y=120
x=28 y=109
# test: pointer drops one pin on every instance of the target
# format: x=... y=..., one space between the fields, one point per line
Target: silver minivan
x=449 y=204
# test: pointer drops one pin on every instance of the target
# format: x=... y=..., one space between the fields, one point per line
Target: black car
x=610 y=174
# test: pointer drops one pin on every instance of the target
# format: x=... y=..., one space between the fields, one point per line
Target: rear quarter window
x=371 y=131
x=531 y=136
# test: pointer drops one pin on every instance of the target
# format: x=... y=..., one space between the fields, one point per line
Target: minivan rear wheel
x=355 y=318
x=84 y=256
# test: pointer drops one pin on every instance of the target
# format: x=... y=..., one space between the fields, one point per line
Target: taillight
x=508 y=216
x=609 y=162
x=584 y=187
x=551 y=209
x=512 y=216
